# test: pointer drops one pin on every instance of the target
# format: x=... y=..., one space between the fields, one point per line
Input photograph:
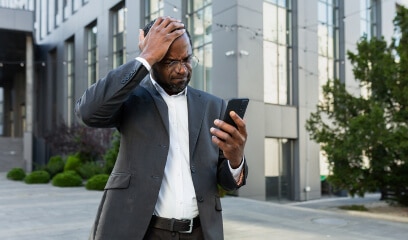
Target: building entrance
x=278 y=169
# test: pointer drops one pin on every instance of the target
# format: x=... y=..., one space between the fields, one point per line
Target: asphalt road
x=45 y=212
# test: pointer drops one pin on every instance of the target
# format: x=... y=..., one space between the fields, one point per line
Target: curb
x=377 y=216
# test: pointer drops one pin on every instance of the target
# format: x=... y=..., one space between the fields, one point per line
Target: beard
x=174 y=88
x=173 y=83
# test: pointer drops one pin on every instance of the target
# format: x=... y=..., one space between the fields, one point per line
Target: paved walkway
x=45 y=212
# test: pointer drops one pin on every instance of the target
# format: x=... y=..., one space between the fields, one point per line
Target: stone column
x=28 y=131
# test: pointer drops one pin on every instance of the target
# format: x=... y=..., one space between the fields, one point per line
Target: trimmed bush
x=73 y=163
x=55 y=165
x=67 y=179
x=39 y=176
x=16 y=174
x=97 y=182
x=89 y=169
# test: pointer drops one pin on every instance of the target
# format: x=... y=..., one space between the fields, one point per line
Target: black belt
x=175 y=225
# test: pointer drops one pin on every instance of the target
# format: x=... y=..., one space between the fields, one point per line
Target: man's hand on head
x=155 y=45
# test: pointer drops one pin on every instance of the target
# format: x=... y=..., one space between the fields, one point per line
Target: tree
x=365 y=138
x=89 y=143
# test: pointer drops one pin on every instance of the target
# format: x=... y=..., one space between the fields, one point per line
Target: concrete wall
x=16 y=19
x=306 y=159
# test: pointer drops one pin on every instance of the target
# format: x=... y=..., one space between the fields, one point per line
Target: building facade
x=278 y=53
x=17 y=65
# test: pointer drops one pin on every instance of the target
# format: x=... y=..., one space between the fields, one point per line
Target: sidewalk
x=45 y=212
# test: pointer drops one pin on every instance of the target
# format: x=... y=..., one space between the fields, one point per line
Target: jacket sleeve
x=224 y=175
x=100 y=105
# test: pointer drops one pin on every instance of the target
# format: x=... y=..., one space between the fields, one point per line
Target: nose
x=181 y=67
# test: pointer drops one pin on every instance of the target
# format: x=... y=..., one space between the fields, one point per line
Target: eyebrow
x=172 y=59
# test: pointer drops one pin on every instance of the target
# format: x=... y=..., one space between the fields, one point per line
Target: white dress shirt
x=177 y=198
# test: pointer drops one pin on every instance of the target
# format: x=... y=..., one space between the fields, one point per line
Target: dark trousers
x=160 y=234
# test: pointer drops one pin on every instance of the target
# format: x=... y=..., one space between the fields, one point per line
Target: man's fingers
x=159 y=38
x=169 y=22
x=237 y=119
x=166 y=25
x=220 y=134
x=177 y=33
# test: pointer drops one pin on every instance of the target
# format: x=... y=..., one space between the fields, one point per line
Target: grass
x=361 y=208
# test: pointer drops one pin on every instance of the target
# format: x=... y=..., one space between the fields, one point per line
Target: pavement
x=45 y=212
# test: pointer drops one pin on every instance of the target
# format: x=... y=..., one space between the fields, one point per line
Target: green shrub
x=16 y=174
x=55 y=165
x=73 y=163
x=361 y=208
x=67 y=179
x=97 y=182
x=89 y=169
x=39 y=176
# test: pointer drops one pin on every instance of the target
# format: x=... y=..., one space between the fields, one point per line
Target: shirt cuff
x=144 y=62
x=237 y=171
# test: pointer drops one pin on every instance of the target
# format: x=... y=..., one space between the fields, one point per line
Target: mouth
x=182 y=79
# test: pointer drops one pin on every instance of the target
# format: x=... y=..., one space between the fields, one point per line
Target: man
x=174 y=150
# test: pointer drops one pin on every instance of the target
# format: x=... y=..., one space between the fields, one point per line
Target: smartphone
x=239 y=106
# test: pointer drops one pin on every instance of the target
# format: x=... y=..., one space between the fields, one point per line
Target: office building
x=278 y=53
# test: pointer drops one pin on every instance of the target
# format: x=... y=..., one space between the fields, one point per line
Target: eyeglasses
x=189 y=63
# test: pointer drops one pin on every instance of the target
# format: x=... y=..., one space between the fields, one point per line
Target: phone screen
x=239 y=106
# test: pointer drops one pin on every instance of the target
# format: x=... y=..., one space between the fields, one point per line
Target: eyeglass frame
x=191 y=62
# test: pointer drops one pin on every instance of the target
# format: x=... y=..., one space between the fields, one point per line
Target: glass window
x=43 y=18
x=70 y=78
x=278 y=168
x=76 y=5
x=368 y=18
x=153 y=10
x=328 y=44
x=119 y=36
x=92 y=59
x=277 y=45
x=58 y=12
x=199 y=21
x=67 y=5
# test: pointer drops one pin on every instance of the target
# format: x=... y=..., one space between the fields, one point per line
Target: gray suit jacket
x=126 y=99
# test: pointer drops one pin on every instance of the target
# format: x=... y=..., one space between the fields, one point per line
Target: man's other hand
x=231 y=140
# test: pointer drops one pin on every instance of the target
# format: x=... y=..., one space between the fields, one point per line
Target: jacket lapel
x=159 y=101
x=196 y=106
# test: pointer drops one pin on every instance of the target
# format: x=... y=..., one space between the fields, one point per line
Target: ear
x=141 y=39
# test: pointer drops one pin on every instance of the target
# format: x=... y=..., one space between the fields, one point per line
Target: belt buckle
x=191 y=225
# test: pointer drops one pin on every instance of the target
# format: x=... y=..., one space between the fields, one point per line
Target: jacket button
x=200 y=198
x=193 y=169
x=163 y=146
